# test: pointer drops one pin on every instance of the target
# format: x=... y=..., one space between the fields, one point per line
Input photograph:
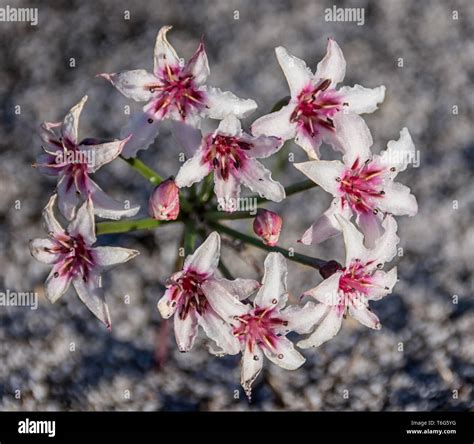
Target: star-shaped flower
x=72 y=161
x=315 y=111
x=349 y=290
x=363 y=185
x=174 y=90
x=75 y=261
x=186 y=299
x=232 y=155
x=261 y=328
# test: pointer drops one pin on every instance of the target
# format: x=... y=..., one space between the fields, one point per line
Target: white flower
x=315 y=112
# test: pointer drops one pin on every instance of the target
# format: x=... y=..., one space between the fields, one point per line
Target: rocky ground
x=59 y=357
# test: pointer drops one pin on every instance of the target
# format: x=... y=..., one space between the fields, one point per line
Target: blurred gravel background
x=59 y=357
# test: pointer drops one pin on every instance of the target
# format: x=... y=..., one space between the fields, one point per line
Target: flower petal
x=256 y=177
x=353 y=240
x=222 y=103
x=193 y=170
x=302 y=319
x=239 y=288
x=51 y=224
x=385 y=248
x=188 y=137
x=363 y=100
x=371 y=227
x=383 y=283
x=220 y=332
x=46 y=164
x=333 y=65
x=354 y=137
x=69 y=128
x=185 y=331
x=227 y=192
x=226 y=305
x=198 y=65
x=398 y=200
x=90 y=292
x=327 y=225
x=40 y=250
x=252 y=364
x=206 y=258
x=312 y=143
x=230 y=126
x=323 y=172
x=165 y=54
x=133 y=84
x=142 y=131
x=50 y=137
x=263 y=146
x=284 y=355
x=83 y=224
x=168 y=303
x=399 y=153
x=327 y=328
x=327 y=292
x=365 y=316
x=108 y=208
x=99 y=155
x=276 y=124
x=56 y=284
x=297 y=73
x=68 y=196
x=108 y=256
x=273 y=291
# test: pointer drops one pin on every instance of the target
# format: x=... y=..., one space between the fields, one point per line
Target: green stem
x=296 y=257
x=189 y=238
x=124 y=226
x=144 y=170
x=220 y=215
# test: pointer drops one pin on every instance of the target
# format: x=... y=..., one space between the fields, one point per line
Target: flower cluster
x=237 y=315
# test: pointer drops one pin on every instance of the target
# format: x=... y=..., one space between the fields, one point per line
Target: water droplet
x=150 y=121
x=393 y=169
x=255 y=358
x=280 y=356
x=338 y=179
x=274 y=301
x=379 y=265
x=56 y=274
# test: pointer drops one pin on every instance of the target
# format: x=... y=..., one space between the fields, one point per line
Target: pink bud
x=267 y=225
x=164 y=201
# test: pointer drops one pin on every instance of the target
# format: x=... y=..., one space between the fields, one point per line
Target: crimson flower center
x=77 y=259
x=259 y=327
x=361 y=186
x=176 y=91
x=316 y=106
x=225 y=153
x=190 y=295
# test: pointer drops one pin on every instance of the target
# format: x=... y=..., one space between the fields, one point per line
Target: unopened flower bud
x=164 y=201
x=267 y=225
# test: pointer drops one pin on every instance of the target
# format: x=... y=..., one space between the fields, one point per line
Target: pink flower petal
x=327 y=292
x=69 y=128
x=220 y=332
x=221 y=103
x=185 y=331
x=83 y=224
x=56 y=284
x=198 y=65
x=276 y=124
x=284 y=354
x=109 y=256
x=39 y=249
x=165 y=54
x=252 y=364
x=143 y=127
x=193 y=170
x=323 y=172
x=327 y=328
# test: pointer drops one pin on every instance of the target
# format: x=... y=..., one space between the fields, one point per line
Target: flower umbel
x=74 y=259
